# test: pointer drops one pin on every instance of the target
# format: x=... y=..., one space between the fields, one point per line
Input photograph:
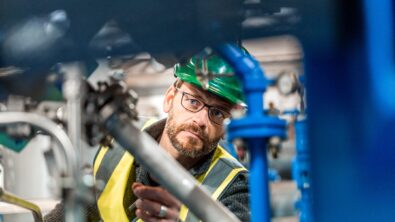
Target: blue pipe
x=301 y=172
x=380 y=42
x=259 y=181
x=255 y=128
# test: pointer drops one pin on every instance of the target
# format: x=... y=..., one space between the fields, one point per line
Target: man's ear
x=168 y=100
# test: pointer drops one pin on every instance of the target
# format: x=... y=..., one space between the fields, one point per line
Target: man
x=190 y=134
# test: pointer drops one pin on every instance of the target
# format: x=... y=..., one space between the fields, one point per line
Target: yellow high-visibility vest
x=114 y=166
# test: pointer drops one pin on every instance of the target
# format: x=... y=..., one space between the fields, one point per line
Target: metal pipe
x=12 y=199
x=49 y=127
x=72 y=91
x=259 y=182
x=167 y=170
x=255 y=127
x=302 y=172
x=379 y=33
x=71 y=181
x=74 y=95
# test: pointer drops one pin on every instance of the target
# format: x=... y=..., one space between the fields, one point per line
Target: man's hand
x=155 y=204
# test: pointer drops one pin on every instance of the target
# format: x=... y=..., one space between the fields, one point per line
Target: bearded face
x=196 y=145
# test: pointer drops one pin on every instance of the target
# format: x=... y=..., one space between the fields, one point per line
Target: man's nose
x=201 y=118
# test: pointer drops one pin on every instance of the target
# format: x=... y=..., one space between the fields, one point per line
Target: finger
x=153 y=208
x=148 y=218
x=145 y=216
x=148 y=206
x=157 y=194
x=136 y=184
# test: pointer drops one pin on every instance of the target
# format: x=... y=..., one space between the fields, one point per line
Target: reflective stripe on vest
x=223 y=170
x=113 y=167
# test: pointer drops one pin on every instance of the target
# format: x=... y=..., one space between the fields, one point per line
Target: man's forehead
x=208 y=96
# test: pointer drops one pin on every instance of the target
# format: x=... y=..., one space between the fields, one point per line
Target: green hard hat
x=211 y=72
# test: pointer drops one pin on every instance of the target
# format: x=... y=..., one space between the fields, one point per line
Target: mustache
x=194 y=129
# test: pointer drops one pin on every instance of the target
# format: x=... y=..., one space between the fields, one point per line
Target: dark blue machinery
x=349 y=60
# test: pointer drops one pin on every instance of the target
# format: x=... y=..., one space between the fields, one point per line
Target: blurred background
x=328 y=81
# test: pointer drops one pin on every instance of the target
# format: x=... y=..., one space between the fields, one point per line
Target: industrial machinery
x=349 y=56
x=59 y=37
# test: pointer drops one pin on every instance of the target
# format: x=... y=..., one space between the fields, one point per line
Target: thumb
x=136 y=185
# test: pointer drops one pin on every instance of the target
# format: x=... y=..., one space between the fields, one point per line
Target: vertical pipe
x=254 y=84
x=259 y=180
x=259 y=198
x=302 y=173
x=379 y=33
x=255 y=104
x=72 y=90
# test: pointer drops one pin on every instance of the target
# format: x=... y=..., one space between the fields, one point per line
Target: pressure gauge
x=287 y=83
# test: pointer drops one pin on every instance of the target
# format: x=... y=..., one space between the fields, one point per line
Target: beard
x=189 y=148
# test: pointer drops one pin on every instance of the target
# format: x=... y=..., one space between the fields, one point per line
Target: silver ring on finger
x=162 y=211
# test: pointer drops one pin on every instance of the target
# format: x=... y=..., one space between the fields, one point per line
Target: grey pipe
x=168 y=171
x=73 y=93
x=73 y=210
x=50 y=127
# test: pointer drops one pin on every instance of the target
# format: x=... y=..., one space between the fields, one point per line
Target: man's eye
x=217 y=113
x=194 y=102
